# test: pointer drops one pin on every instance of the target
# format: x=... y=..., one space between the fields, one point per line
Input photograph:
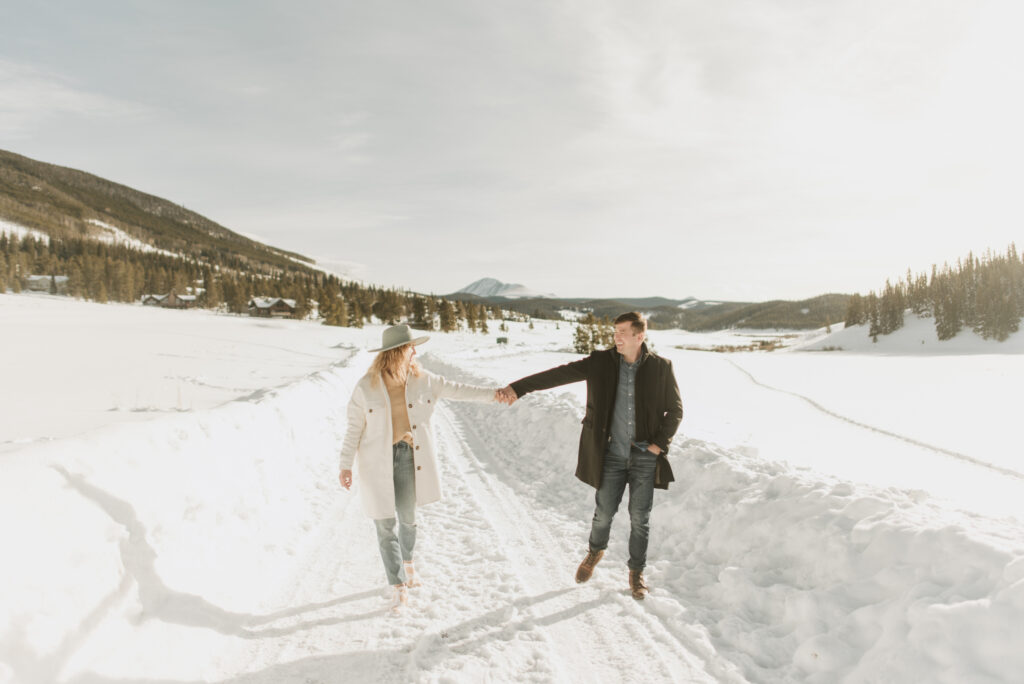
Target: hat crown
x=398 y=335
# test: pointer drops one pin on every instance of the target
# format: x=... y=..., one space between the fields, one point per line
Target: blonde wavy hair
x=391 y=362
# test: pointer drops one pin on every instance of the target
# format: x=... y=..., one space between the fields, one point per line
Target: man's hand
x=506 y=395
x=346 y=479
x=654 y=449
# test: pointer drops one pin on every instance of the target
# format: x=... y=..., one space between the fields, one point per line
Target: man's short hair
x=638 y=321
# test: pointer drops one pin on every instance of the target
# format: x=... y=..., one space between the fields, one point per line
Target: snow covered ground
x=170 y=512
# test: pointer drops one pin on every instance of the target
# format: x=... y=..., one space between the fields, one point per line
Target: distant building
x=45 y=283
x=171 y=300
x=272 y=307
x=177 y=301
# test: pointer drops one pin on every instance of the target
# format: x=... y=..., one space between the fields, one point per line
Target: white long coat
x=368 y=438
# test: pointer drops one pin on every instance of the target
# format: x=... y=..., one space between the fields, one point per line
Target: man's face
x=627 y=342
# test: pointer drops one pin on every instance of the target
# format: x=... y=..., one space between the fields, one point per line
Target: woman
x=389 y=435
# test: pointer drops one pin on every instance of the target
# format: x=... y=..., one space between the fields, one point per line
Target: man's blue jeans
x=637 y=471
x=394 y=549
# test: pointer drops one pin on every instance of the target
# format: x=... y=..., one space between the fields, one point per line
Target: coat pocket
x=375 y=412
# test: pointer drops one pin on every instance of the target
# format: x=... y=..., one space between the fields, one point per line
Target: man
x=633 y=411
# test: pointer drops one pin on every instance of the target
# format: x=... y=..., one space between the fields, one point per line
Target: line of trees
x=984 y=294
x=103 y=272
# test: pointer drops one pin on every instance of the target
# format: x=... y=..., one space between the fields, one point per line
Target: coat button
x=410 y=405
x=417 y=447
x=371 y=410
x=419 y=467
x=413 y=427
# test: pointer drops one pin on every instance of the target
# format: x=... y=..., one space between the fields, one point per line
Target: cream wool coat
x=368 y=438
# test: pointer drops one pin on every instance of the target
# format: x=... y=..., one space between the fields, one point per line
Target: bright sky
x=744 y=150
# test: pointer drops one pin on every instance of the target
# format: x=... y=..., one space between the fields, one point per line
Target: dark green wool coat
x=659 y=408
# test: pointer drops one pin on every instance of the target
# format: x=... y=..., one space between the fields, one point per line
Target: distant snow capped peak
x=491 y=287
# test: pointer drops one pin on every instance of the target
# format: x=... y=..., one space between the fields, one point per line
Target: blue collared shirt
x=624 y=414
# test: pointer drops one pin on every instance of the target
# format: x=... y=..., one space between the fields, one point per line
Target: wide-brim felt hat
x=398 y=335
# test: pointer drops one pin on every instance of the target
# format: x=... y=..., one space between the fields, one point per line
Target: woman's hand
x=346 y=479
x=505 y=395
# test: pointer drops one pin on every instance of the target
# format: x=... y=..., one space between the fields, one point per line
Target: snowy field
x=171 y=513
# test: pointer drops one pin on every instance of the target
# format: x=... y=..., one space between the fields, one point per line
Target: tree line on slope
x=62 y=203
x=103 y=272
x=984 y=294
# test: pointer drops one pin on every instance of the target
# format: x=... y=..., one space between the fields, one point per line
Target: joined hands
x=505 y=395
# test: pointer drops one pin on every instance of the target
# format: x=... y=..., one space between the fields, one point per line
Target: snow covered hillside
x=823 y=527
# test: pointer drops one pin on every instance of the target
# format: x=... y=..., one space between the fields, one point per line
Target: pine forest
x=103 y=272
x=983 y=294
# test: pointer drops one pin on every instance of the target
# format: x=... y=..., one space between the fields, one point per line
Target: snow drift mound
x=791 y=575
x=205 y=508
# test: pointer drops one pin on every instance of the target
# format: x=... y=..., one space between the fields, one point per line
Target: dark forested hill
x=61 y=202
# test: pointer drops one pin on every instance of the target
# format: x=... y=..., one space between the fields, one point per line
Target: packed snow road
x=498 y=602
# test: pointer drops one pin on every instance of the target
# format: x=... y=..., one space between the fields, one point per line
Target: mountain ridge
x=67 y=203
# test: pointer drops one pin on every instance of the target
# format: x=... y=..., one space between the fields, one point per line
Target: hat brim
x=414 y=341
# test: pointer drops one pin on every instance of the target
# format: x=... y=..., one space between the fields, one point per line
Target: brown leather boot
x=586 y=569
x=637 y=585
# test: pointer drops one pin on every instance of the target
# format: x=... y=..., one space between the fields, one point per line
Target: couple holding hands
x=633 y=411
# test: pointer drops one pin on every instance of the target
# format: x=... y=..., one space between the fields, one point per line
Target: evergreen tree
x=326 y=306
x=460 y=312
x=948 y=315
x=447 y=316
x=419 y=314
x=214 y=295
x=301 y=306
x=583 y=339
x=890 y=317
x=76 y=286
x=340 y=311
x=874 y=316
x=357 y=315
x=239 y=301
x=855 y=313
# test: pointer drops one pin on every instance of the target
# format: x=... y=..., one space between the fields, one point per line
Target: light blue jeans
x=396 y=548
x=637 y=471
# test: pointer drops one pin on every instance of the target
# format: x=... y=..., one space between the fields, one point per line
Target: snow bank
x=917 y=336
x=809 y=579
x=204 y=508
x=794 y=576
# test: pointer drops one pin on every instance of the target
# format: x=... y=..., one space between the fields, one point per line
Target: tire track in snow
x=597 y=632
x=945 y=452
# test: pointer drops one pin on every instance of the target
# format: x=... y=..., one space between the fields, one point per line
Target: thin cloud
x=32 y=97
